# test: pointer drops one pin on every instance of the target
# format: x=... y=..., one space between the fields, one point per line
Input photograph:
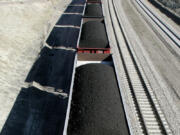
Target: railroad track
x=151 y=119
x=164 y=27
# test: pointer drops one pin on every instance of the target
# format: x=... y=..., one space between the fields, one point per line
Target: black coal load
x=63 y=36
x=93 y=10
x=96 y=107
x=93 y=0
x=93 y=35
x=36 y=112
x=70 y=19
x=74 y=9
x=78 y=2
x=53 y=68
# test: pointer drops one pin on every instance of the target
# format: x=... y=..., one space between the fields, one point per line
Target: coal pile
x=36 y=112
x=53 y=68
x=70 y=19
x=78 y=2
x=96 y=107
x=74 y=9
x=93 y=10
x=93 y=0
x=66 y=37
x=93 y=35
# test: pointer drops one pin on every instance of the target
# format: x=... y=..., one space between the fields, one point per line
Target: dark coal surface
x=93 y=10
x=72 y=19
x=74 y=9
x=78 y=2
x=36 y=112
x=93 y=35
x=66 y=37
x=93 y=0
x=96 y=107
x=53 y=68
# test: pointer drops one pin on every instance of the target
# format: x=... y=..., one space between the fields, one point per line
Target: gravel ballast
x=93 y=35
x=93 y=10
x=96 y=107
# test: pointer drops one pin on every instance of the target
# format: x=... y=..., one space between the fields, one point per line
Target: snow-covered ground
x=24 y=25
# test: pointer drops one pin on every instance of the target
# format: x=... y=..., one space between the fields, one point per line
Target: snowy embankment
x=24 y=25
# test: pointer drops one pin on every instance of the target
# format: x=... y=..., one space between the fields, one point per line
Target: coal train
x=79 y=93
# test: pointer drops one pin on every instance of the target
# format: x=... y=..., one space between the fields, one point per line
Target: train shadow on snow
x=36 y=112
x=53 y=68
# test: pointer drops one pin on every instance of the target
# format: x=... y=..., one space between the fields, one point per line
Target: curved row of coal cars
x=93 y=105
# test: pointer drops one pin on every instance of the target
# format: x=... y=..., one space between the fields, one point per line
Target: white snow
x=23 y=29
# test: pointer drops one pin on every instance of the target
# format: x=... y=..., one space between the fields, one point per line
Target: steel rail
x=168 y=31
x=145 y=102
